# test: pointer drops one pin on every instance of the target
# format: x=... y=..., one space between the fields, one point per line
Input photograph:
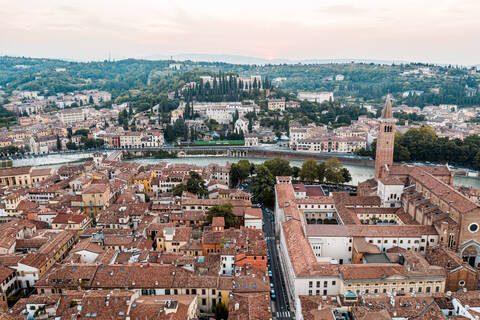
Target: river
x=359 y=172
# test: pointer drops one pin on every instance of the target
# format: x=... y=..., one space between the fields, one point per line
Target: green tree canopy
x=263 y=183
x=223 y=210
x=239 y=172
x=196 y=184
x=309 y=171
x=279 y=167
x=333 y=171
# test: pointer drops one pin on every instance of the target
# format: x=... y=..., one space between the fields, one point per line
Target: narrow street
x=280 y=304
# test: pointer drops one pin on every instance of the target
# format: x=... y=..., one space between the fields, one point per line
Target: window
x=461 y=283
x=310 y=284
x=334 y=283
x=309 y=292
x=473 y=227
x=203 y=291
x=318 y=283
x=428 y=289
x=204 y=302
x=325 y=283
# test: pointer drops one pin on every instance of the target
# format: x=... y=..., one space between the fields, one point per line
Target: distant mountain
x=238 y=59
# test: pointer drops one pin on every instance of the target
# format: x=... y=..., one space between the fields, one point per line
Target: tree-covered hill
x=362 y=82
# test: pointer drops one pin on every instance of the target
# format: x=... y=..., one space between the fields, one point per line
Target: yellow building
x=94 y=198
x=172 y=239
x=370 y=279
x=145 y=179
x=68 y=221
x=16 y=177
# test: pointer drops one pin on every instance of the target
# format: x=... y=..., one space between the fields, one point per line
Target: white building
x=331 y=144
x=227 y=264
x=390 y=191
x=241 y=125
x=131 y=139
x=253 y=218
x=70 y=116
x=251 y=140
x=318 y=97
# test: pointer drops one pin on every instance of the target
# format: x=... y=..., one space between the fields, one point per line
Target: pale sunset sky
x=435 y=31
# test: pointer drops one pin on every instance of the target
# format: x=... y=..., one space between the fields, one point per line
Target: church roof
x=387 y=110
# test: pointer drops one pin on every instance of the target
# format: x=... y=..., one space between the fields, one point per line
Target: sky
x=432 y=31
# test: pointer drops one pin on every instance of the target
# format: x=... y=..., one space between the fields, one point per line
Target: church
x=425 y=193
x=407 y=231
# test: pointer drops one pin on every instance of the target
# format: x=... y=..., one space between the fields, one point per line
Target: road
x=281 y=307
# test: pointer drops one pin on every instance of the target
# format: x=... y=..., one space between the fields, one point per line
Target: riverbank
x=360 y=172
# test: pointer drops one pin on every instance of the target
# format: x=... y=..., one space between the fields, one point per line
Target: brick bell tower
x=385 y=139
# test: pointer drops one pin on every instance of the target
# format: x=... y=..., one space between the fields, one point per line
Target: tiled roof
x=96 y=188
x=406 y=231
x=354 y=272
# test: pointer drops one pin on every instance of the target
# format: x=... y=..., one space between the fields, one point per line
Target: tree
x=279 y=167
x=263 y=183
x=239 y=172
x=59 y=144
x=321 y=171
x=347 y=177
x=196 y=184
x=179 y=189
x=224 y=210
x=295 y=171
x=309 y=171
x=333 y=173
x=221 y=311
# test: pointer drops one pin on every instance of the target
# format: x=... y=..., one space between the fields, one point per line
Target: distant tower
x=385 y=139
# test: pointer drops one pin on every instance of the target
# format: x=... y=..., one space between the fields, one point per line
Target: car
x=271 y=285
x=270 y=274
x=272 y=294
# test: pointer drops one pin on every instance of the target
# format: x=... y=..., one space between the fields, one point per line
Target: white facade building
x=318 y=97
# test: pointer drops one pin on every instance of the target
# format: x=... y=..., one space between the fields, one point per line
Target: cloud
x=429 y=30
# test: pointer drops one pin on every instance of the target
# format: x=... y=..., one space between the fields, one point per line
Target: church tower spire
x=385 y=139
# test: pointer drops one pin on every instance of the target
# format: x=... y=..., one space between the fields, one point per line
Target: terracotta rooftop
x=253 y=306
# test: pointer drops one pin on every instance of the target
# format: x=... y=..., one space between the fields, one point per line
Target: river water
x=359 y=172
